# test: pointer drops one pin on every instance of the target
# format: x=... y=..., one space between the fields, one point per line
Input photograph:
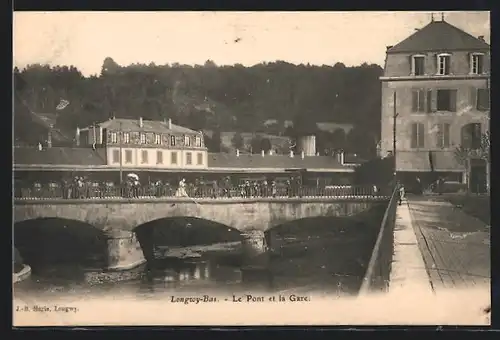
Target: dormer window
x=476 y=63
x=417 y=65
x=187 y=141
x=143 y=138
x=443 y=64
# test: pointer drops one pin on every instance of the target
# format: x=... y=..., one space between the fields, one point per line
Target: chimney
x=170 y=124
x=140 y=122
x=341 y=157
x=291 y=153
x=77 y=136
x=237 y=153
x=481 y=37
x=263 y=153
x=270 y=152
x=302 y=155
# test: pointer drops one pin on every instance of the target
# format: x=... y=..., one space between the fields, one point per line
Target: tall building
x=145 y=144
x=435 y=88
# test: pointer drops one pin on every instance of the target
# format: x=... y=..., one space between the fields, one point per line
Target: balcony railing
x=150 y=192
x=379 y=268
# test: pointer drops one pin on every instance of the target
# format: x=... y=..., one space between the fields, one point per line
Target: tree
x=256 y=144
x=215 y=142
x=463 y=155
x=265 y=144
x=239 y=98
x=237 y=141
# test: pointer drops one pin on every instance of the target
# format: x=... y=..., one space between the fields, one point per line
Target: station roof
x=252 y=161
x=82 y=158
x=57 y=156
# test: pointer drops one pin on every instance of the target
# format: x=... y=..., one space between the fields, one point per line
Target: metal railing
x=379 y=268
x=151 y=192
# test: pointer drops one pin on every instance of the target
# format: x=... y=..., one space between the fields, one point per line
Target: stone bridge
x=251 y=216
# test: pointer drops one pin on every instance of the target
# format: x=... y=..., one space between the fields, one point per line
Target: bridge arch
x=185 y=231
x=59 y=242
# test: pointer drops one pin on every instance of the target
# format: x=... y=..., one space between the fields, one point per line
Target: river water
x=320 y=255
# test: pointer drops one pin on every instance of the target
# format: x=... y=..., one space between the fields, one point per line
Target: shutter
x=428 y=101
x=453 y=100
x=439 y=135
x=469 y=61
x=414 y=101
x=473 y=98
x=486 y=63
x=412 y=65
x=414 y=133
x=421 y=135
x=436 y=64
x=433 y=100
x=421 y=101
x=446 y=135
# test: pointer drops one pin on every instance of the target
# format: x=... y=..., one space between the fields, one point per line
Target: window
x=116 y=156
x=418 y=101
x=189 y=158
x=197 y=141
x=483 y=100
x=144 y=157
x=114 y=138
x=159 y=157
x=126 y=137
x=443 y=64
x=443 y=135
x=157 y=139
x=187 y=141
x=173 y=158
x=417 y=65
x=447 y=100
x=199 y=158
x=471 y=136
x=128 y=156
x=172 y=140
x=143 y=138
x=417 y=135
x=476 y=63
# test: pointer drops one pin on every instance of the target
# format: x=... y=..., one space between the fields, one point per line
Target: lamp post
x=120 y=137
x=395 y=115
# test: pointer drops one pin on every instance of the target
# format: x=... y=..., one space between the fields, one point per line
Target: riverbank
x=21 y=275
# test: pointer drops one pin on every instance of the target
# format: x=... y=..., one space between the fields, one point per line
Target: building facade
x=145 y=144
x=435 y=91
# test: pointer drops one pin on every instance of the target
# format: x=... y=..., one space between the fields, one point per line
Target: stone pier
x=124 y=250
x=254 y=244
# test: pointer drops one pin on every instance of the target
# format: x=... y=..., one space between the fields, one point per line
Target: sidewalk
x=455 y=246
x=409 y=273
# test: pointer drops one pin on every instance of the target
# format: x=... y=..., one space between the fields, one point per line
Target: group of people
x=82 y=187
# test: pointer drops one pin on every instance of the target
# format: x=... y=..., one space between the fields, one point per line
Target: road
x=455 y=246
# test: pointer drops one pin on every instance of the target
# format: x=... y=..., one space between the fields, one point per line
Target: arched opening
x=324 y=253
x=60 y=248
x=173 y=243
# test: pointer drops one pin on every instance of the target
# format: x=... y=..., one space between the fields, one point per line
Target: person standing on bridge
x=181 y=190
x=401 y=189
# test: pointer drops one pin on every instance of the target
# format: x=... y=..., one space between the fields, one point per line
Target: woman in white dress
x=181 y=190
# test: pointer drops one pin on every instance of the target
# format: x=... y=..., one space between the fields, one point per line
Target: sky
x=85 y=39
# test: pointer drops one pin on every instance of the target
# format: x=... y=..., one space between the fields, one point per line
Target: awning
x=419 y=161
